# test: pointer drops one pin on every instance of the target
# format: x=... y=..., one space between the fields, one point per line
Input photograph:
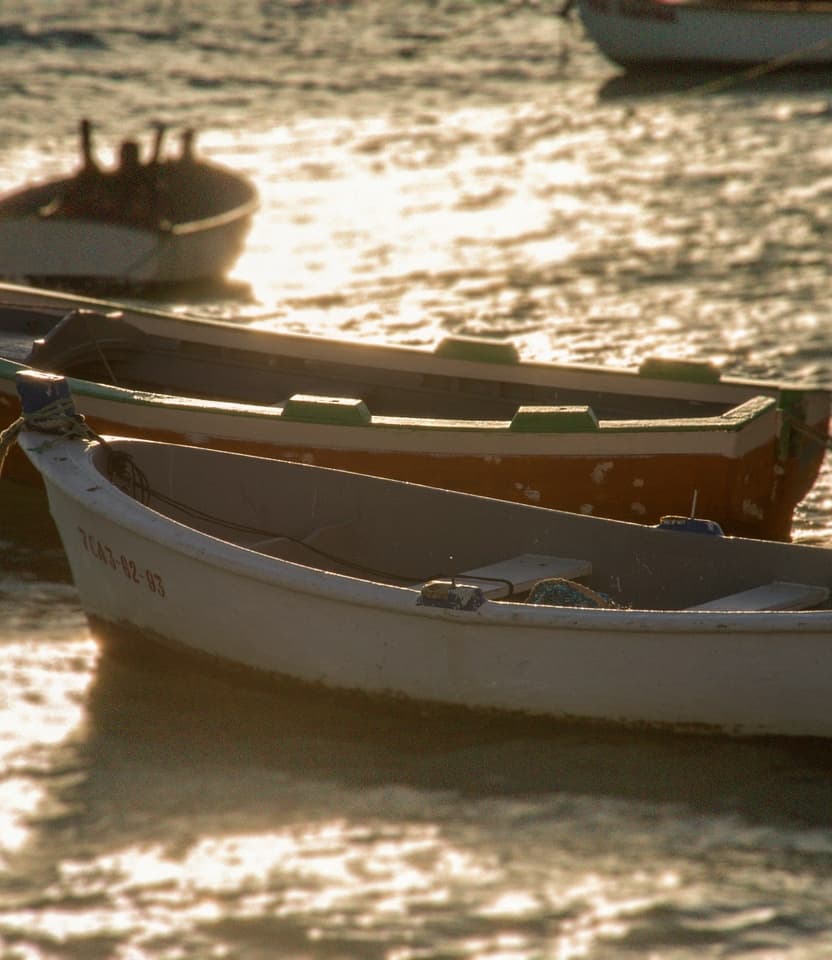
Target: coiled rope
x=57 y=418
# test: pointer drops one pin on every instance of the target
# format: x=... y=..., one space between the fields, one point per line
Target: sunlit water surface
x=424 y=168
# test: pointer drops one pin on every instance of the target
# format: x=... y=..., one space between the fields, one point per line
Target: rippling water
x=424 y=167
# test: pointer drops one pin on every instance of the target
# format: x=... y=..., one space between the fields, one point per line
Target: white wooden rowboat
x=393 y=589
x=718 y=32
x=167 y=220
x=468 y=415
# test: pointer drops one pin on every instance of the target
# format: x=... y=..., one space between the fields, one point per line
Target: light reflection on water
x=424 y=169
x=44 y=680
x=181 y=808
x=346 y=884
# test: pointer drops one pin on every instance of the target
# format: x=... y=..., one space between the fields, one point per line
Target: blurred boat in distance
x=645 y=33
x=350 y=582
x=468 y=415
x=165 y=220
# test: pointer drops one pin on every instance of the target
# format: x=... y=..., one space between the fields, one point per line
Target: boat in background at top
x=164 y=220
x=648 y=33
x=468 y=415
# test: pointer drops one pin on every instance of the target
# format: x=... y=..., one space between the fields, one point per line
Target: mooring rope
x=57 y=418
x=760 y=70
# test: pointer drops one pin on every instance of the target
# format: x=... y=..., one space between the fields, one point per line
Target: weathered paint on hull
x=672 y=670
x=737 y=493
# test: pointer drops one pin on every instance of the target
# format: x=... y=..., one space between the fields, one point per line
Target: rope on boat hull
x=57 y=418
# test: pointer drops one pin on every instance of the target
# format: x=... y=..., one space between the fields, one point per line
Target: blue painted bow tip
x=38 y=390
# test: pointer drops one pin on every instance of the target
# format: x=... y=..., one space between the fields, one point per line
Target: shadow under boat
x=669 y=79
x=154 y=712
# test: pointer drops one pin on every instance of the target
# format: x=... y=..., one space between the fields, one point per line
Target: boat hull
x=31 y=247
x=751 y=673
x=734 y=477
x=468 y=415
x=199 y=230
x=653 y=32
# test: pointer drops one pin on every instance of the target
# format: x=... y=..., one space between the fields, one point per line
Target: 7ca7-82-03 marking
x=117 y=561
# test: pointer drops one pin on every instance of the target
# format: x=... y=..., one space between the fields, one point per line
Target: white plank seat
x=519 y=574
x=777 y=595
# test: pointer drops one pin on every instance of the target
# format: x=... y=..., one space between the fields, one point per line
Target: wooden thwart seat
x=777 y=595
x=519 y=574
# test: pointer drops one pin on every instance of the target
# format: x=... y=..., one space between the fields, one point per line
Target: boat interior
x=408 y=535
x=183 y=192
x=106 y=348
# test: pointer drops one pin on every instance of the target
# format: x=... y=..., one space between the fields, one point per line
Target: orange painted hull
x=468 y=415
x=753 y=495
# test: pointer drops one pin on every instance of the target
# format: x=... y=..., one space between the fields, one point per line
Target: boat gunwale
x=736 y=419
x=162 y=532
x=819 y=8
x=378 y=354
x=246 y=206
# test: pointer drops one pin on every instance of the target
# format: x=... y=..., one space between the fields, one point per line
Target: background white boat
x=167 y=220
x=738 y=32
x=331 y=578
